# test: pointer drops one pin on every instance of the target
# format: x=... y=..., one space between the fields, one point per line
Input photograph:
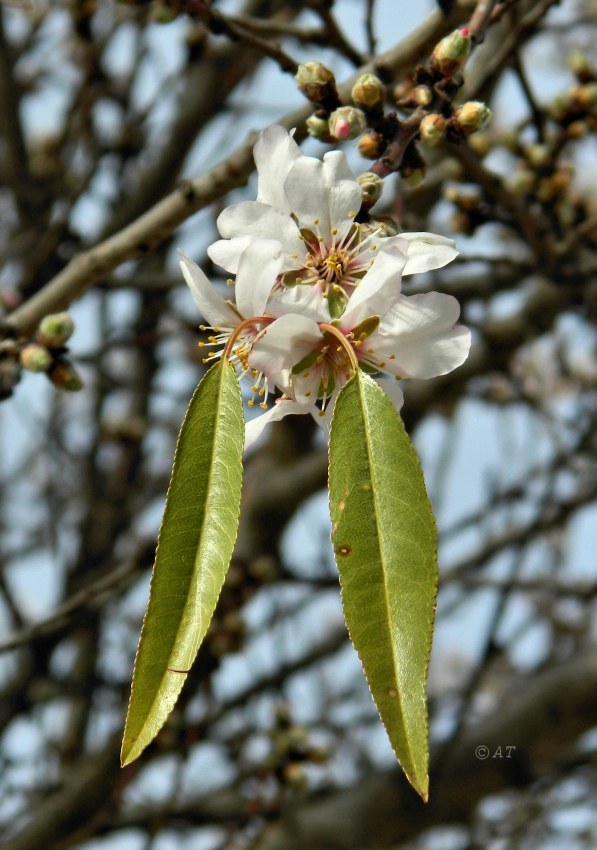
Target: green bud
x=432 y=129
x=580 y=65
x=36 y=358
x=54 y=330
x=560 y=106
x=368 y=92
x=538 y=155
x=316 y=81
x=371 y=145
x=472 y=116
x=347 y=122
x=371 y=188
x=521 y=182
x=452 y=52
x=318 y=127
x=65 y=377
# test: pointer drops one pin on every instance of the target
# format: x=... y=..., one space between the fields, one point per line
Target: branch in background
x=158 y=223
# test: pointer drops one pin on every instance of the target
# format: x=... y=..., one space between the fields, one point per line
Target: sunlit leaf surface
x=384 y=538
x=195 y=545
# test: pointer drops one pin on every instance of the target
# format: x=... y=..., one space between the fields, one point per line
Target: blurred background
x=125 y=128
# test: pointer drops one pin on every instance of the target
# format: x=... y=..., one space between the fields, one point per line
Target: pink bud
x=342 y=129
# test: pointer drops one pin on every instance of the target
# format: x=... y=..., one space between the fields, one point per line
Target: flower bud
x=318 y=127
x=371 y=145
x=65 y=377
x=347 y=123
x=432 y=129
x=577 y=130
x=580 y=65
x=452 y=52
x=521 y=182
x=538 y=155
x=36 y=358
x=472 y=116
x=560 y=106
x=421 y=95
x=371 y=188
x=368 y=92
x=586 y=95
x=480 y=143
x=54 y=330
x=316 y=82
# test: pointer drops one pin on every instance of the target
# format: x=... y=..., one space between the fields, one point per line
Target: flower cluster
x=317 y=290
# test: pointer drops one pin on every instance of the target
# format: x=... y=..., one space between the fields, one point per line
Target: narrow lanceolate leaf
x=384 y=538
x=195 y=545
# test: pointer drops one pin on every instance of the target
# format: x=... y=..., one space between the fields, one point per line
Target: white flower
x=258 y=268
x=310 y=207
x=393 y=334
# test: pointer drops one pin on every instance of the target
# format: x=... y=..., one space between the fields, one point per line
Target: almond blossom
x=258 y=269
x=318 y=294
x=310 y=206
x=391 y=334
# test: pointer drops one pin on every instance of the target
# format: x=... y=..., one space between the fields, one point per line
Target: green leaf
x=384 y=538
x=195 y=545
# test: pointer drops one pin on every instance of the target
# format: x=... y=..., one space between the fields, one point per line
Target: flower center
x=336 y=261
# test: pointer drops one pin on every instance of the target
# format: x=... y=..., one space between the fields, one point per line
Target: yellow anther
x=254 y=388
x=201 y=344
x=229 y=282
x=263 y=405
x=352 y=214
x=392 y=357
x=370 y=351
x=262 y=391
x=315 y=221
x=250 y=403
x=334 y=231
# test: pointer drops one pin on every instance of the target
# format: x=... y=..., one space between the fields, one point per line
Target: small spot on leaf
x=343 y=550
x=393 y=693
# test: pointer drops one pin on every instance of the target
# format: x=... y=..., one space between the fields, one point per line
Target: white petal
x=275 y=153
x=307 y=194
x=212 y=306
x=258 y=269
x=306 y=300
x=379 y=290
x=427 y=251
x=344 y=191
x=259 y=221
x=420 y=332
x=284 y=343
x=280 y=408
x=227 y=252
